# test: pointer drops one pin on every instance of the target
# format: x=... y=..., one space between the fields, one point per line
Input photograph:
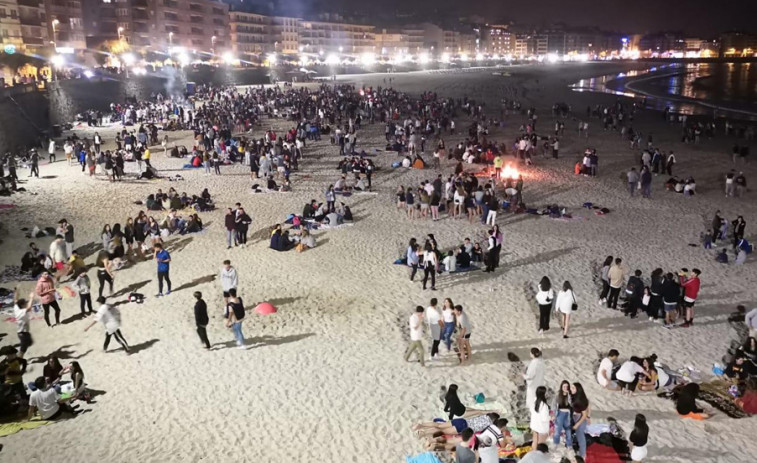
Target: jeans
x=161 y=276
x=207 y=167
x=56 y=307
x=85 y=300
x=631 y=187
x=581 y=437
x=414 y=271
x=202 y=332
x=435 y=347
x=230 y=238
x=25 y=339
x=237 y=328
x=449 y=328
x=562 y=423
x=545 y=311
x=119 y=338
x=415 y=346
x=646 y=190
x=612 y=301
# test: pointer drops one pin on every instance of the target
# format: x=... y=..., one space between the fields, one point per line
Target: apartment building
x=65 y=27
x=330 y=37
x=10 y=24
x=285 y=33
x=200 y=25
x=497 y=40
x=250 y=34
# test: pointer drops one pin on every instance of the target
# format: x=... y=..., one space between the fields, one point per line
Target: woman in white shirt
x=540 y=417
x=544 y=298
x=448 y=318
x=534 y=376
x=429 y=265
x=564 y=306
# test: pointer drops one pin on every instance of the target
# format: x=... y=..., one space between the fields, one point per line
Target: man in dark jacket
x=634 y=292
x=230 y=223
x=201 y=318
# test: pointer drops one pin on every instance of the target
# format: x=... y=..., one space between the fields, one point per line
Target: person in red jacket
x=690 y=287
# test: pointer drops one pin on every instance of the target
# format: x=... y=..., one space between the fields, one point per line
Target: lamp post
x=213 y=45
x=55 y=32
x=120 y=33
x=170 y=42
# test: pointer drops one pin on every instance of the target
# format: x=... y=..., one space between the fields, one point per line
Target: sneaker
x=168 y=292
x=159 y=295
x=541 y=331
x=651 y=319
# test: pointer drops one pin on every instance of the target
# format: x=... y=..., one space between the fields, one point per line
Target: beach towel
x=12 y=273
x=426 y=457
x=7 y=206
x=334 y=227
x=66 y=292
x=190 y=166
x=6 y=429
x=401 y=261
x=600 y=453
x=418 y=164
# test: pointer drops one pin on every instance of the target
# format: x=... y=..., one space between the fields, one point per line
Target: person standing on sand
x=46 y=292
x=34 y=159
x=435 y=325
x=534 y=376
x=242 y=224
x=544 y=298
x=416 y=336
x=67 y=230
x=21 y=309
x=229 y=280
x=201 y=318
x=617 y=275
x=690 y=287
x=633 y=180
x=464 y=329
x=110 y=317
x=230 y=223
x=163 y=258
x=51 y=150
x=234 y=316
x=430 y=263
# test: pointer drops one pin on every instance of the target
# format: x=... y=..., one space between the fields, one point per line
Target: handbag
x=574 y=306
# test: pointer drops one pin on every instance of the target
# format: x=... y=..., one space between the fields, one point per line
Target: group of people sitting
x=324 y=213
x=173 y=200
x=686 y=186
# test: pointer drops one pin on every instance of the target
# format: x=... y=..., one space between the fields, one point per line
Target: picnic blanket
x=334 y=227
x=464 y=270
x=6 y=429
x=426 y=457
x=190 y=166
x=715 y=393
x=12 y=273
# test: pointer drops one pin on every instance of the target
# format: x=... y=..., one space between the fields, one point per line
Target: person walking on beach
x=21 y=309
x=104 y=271
x=234 y=316
x=201 y=318
x=34 y=160
x=617 y=275
x=163 y=258
x=633 y=180
x=51 y=150
x=435 y=325
x=416 y=336
x=566 y=300
x=229 y=280
x=464 y=329
x=46 y=292
x=110 y=317
x=544 y=298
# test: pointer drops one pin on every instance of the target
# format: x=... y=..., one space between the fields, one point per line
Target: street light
x=170 y=41
x=56 y=61
x=120 y=33
x=55 y=32
x=213 y=45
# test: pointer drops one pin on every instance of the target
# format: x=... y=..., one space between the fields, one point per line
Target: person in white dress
x=534 y=377
x=564 y=306
x=540 y=417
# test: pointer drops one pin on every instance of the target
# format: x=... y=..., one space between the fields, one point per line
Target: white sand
x=325 y=379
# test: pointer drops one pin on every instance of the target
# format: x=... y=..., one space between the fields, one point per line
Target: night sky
x=694 y=17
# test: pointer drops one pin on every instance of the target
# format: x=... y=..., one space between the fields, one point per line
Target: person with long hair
x=430 y=262
x=448 y=317
x=564 y=306
x=605 y=280
x=581 y=416
x=563 y=410
x=638 y=439
x=544 y=298
x=540 y=417
x=412 y=257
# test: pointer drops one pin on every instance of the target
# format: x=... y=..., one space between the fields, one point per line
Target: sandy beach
x=324 y=379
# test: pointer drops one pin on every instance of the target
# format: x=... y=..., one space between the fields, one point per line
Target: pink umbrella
x=265 y=308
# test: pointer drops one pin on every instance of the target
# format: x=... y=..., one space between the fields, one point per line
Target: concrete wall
x=24 y=116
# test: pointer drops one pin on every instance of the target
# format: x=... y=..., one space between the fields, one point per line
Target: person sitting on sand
x=690 y=189
x=341 y=184
x=605 y=372
x=280 y=239
x=307 y=241
x=194 y=225
x=736 y=372
x=271 y=184
x=47 y=402
x=686 y=405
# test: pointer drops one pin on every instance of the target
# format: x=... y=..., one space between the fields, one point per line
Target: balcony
x=196 y=19
x=139 y=3
x=196 y=8
x=140 y=14
x=31 y=3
